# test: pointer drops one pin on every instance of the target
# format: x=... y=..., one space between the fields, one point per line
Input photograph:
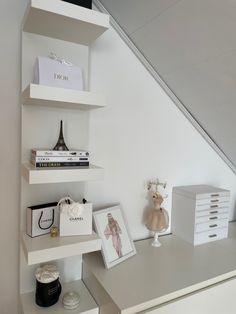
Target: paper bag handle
x=39 y=222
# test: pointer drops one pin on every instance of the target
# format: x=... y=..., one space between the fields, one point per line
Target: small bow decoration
x=155 y=183
x=62 y=61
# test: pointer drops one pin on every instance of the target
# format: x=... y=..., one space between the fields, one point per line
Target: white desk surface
x=158 y=275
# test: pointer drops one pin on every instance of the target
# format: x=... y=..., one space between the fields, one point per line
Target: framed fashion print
x=117 y=244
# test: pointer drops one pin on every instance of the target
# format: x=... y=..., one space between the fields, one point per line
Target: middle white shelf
x=40 y=95
x=45 y=248
x=59 y=175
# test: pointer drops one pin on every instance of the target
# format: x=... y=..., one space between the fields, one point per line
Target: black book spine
x=60 y=164
x=82 y=3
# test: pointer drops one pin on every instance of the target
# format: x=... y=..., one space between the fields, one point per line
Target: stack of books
x=41 y=158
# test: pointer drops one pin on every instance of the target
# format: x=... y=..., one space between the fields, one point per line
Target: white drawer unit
x=200 y=213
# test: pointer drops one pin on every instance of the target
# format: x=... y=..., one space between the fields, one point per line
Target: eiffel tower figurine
x=61 y=145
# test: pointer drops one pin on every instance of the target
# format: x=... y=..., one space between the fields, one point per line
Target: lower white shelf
x=87 y=304
x=54 y=175
x=45 y=248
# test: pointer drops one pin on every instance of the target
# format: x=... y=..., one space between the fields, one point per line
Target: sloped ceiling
x=192 y=46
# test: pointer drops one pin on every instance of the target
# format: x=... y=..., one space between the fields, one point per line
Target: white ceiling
x=192 y=46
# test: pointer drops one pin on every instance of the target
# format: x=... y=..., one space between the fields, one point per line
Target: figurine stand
x=156 y=242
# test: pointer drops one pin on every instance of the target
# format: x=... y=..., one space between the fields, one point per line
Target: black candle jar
x=47 y=294
x=82 y=3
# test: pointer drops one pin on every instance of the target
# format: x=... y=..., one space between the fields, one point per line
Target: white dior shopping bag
x=41 y=218
x=75 y=218
x=56 y=72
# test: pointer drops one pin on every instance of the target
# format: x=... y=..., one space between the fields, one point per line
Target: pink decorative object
x=157 y=219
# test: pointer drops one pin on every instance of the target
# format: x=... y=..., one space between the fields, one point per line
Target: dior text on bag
x=75 y=218
x=56 y=72
x=41 y=218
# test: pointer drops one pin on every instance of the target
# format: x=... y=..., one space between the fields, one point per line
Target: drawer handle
x=214 y=212
x=215 y=195
x=213 y=226
x=212 y=218
x=214 y=206
x=212 y=235
x=214 y=201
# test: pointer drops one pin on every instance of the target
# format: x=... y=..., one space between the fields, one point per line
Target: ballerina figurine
x=157 y=218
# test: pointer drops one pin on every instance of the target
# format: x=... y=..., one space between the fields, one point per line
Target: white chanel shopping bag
x=56 y=72
x=41 y=218
x=75 y=218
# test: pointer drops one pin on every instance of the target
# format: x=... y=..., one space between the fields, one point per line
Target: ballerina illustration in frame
x=117 y=244
x=113 y=229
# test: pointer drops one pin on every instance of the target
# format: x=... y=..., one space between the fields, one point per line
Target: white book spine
x=58 y=153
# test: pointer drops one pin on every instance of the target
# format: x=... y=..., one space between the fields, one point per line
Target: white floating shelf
x=45 y=248
x=40 y=95
x=54 y=175
x=87 y=304
x=65 y=21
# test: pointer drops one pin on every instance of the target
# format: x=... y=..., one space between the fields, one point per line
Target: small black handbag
x=82 y=3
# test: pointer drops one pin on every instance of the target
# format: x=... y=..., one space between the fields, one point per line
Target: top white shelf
x=65 y=21
x=40 y=95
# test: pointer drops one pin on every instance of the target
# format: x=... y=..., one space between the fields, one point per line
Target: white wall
x=11 y=12
x=142 y=135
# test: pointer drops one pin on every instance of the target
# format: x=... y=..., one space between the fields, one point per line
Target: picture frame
x=117 y=244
